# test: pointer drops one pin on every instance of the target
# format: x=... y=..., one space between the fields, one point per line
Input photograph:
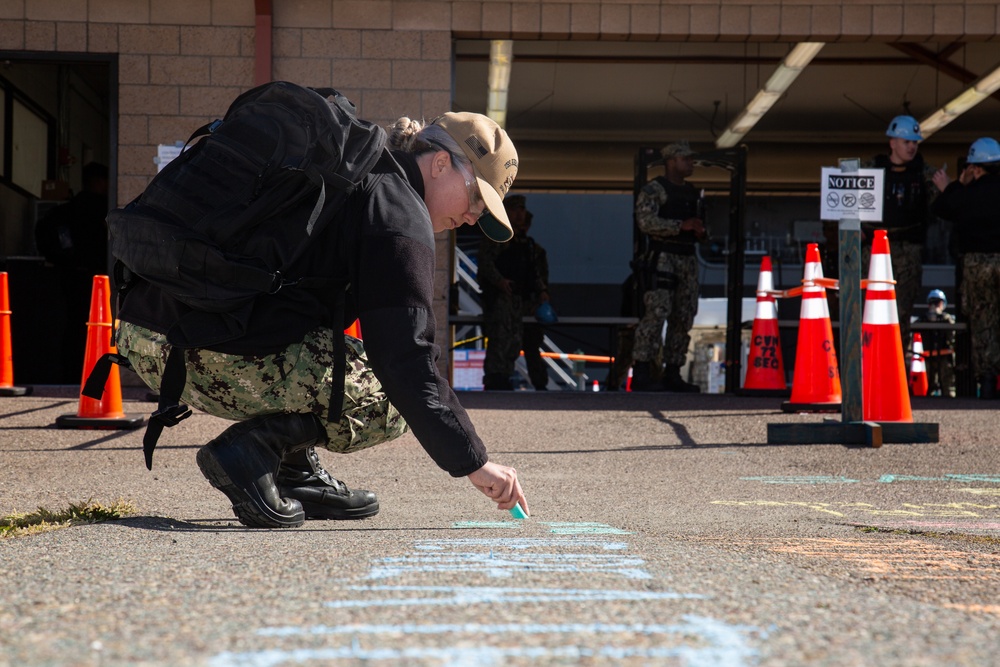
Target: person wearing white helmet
x=939 y=346
x=909 y=190
x=972 y=203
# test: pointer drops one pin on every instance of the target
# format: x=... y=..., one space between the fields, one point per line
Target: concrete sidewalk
x=663 y=531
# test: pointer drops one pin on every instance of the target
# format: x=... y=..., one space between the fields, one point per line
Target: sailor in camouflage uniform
x=909 y=193
x=514 y=277
x=939 y=346
x=667 y=212
x=972 y=202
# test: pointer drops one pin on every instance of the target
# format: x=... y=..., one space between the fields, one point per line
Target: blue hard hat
x=546 y=314
x=904 y=127
x=937 y=295
x=984 y=150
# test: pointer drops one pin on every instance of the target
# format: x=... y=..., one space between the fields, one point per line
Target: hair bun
x=403 y=133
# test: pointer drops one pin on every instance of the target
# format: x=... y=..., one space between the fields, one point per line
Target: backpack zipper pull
x=259 y=184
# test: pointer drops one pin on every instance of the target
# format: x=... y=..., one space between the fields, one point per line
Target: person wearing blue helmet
x=939 y=346
x=972 y=203
x=909 y=191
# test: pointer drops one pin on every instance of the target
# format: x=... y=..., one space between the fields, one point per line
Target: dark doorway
x=59 y=114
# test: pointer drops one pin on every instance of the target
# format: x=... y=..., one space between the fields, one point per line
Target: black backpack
x=228 y=219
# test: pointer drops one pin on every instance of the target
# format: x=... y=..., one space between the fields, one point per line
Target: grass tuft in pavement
x=18 y=524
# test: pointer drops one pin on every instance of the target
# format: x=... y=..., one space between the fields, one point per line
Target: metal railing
x=468 y=292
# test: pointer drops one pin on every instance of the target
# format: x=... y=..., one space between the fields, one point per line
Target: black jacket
x=382 y=245
x=975 y=211
x=905 y=211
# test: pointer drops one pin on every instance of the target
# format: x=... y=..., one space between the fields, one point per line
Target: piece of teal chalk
x=517 y=512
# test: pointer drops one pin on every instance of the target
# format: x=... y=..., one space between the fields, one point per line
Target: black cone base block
x=788 y=406
x=100 y=423
x=765 y=393
x=15 y=391
x=833 y=432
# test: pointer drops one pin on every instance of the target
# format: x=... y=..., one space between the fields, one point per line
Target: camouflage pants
x=298 y=379
x=941 y=374
x=677 y=307
x=507 y=335
x=908 y=272
x=981 y=304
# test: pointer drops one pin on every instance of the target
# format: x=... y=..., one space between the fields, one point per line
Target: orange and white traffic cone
x=883 y=371
x=816 y=380
x=765 y=369
x=7 y=387
x=104 y=412
x=918 y=367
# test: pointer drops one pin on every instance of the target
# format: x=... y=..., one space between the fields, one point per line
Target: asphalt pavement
x=664 y=530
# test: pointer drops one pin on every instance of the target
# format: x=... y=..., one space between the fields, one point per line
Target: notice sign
x=165 y=153
x=856 y=194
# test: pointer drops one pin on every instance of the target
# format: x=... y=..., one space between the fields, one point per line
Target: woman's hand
x=500 y=484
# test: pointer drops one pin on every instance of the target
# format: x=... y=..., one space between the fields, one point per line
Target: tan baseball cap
x=494 y=160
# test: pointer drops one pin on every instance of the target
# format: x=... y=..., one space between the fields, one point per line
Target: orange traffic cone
x=883 y=372
x=7 y=387
x=105 y=412
x=354 y=330
x=918 y=367
x=765 y=368
x=816 y=382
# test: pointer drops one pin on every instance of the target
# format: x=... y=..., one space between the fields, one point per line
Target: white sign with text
x=856 y=194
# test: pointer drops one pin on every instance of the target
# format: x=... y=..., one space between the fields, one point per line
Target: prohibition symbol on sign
x=855 y=194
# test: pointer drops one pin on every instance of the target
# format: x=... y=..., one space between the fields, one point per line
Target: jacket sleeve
x=945 y=205
x=486 y=272
x=651 y=198
x=395 y=279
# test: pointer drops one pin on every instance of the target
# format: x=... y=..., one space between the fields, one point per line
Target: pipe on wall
x=262 y=42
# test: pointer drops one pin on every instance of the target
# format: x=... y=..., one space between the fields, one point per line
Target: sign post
x=849 y=193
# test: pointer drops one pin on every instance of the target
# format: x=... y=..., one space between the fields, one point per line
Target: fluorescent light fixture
x=789 y=69
x=501 y=58
x=967 y=99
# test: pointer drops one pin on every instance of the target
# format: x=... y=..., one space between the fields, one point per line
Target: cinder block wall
x=182 y=61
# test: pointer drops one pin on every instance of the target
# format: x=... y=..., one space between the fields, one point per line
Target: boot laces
x=320 y=472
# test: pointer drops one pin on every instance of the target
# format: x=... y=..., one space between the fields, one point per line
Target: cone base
x=868 y=433
x=788 y=406
x=768 y=393
x=15 y=391
x=100 y=423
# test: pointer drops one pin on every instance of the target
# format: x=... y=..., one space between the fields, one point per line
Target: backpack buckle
x=278 y=281
x=171 y=415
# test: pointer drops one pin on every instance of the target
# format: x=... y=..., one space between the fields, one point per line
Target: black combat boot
x=497 y=382
x=242 y=461
x=672 y=381
x=988 y=387
x=301 y=477
x=642 y=377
